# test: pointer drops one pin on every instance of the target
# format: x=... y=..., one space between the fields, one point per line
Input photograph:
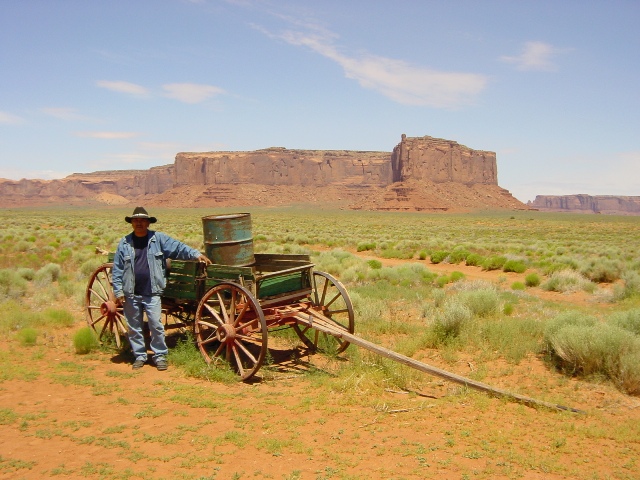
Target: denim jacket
x=161 y=247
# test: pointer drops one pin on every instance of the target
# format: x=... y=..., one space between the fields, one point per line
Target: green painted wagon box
x=184 y=280
x=271 y=275
x=292 y=282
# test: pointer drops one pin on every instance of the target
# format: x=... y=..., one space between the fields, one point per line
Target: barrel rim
x=226 y=216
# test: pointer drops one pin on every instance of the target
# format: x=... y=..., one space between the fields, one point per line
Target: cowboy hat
x=140 y=212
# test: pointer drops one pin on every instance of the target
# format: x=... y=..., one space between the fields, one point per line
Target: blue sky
x=553 y=87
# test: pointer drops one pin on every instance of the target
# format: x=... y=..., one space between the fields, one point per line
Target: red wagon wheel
x=230 y=325
x=103 y=315
x=330 y=299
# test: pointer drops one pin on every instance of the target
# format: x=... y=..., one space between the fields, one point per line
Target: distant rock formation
x=582 y=203
x=438 y=160
x=422 y=173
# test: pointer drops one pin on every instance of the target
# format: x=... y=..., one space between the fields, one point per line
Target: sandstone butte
x=582 y=203
x=420 y=174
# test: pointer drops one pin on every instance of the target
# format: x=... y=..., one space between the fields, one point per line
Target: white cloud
x=10 y=119
x=535 y=56
x=396 y=79
x=107 y=135
x=123 y=87
x=191 y=92
x=63 y=113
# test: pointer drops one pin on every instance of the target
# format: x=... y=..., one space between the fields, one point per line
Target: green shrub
x=571 y=318
x=59 y=317
x=532 y=280
x=629 y=320
x=439 y=256
x=27 y=273
x=362 y=247
x=438 y=297
x=12 y=285
x=374 y=264
x=85 y=341
x=458 y=256
x=91 y=265
x=631 y=286
x=422 y=254
x=449 y=323
x=407 y=274
x=516 y=266
x=474 y=260
x=27 y=336
x=442 y=281
x=482 y=302
x=495 y=262
x=507 y=309
x=600 y=349
x=628 y=375
x=47 y=274
x=601 y=271
x=518 y=286
x=567 y=281
x=456 y=276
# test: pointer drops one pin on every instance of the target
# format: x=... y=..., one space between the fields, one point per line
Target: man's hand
x=204 y=259
x=120 y=301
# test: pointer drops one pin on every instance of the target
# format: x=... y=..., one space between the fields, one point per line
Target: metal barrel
x=228 y=239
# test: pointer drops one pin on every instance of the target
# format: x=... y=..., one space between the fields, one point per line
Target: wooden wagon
x=231 y=308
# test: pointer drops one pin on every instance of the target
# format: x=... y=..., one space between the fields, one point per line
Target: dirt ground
x=68 y=416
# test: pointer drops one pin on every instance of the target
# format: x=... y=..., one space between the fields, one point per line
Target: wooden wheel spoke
x=215 y=314
x=93 y=322
x=246 y=352
x=237 y=359
x=250 y=323
x=207 y=324
x=324 y=291
x=209 y=340
x=250 y=339
x=219 y=350
x=122 y=325
x=330 y=313
x=102 y=287
x=245 y=308
x=100 y=297
x=107 y=324
x=223 y=308
x=329 y=303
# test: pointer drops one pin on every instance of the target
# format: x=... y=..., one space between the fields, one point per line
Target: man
x=138 y=278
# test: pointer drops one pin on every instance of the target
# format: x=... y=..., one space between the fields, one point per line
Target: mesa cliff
x=421 y=173
x=606 y=204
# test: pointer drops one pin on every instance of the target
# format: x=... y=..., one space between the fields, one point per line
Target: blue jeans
x=134 y=308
